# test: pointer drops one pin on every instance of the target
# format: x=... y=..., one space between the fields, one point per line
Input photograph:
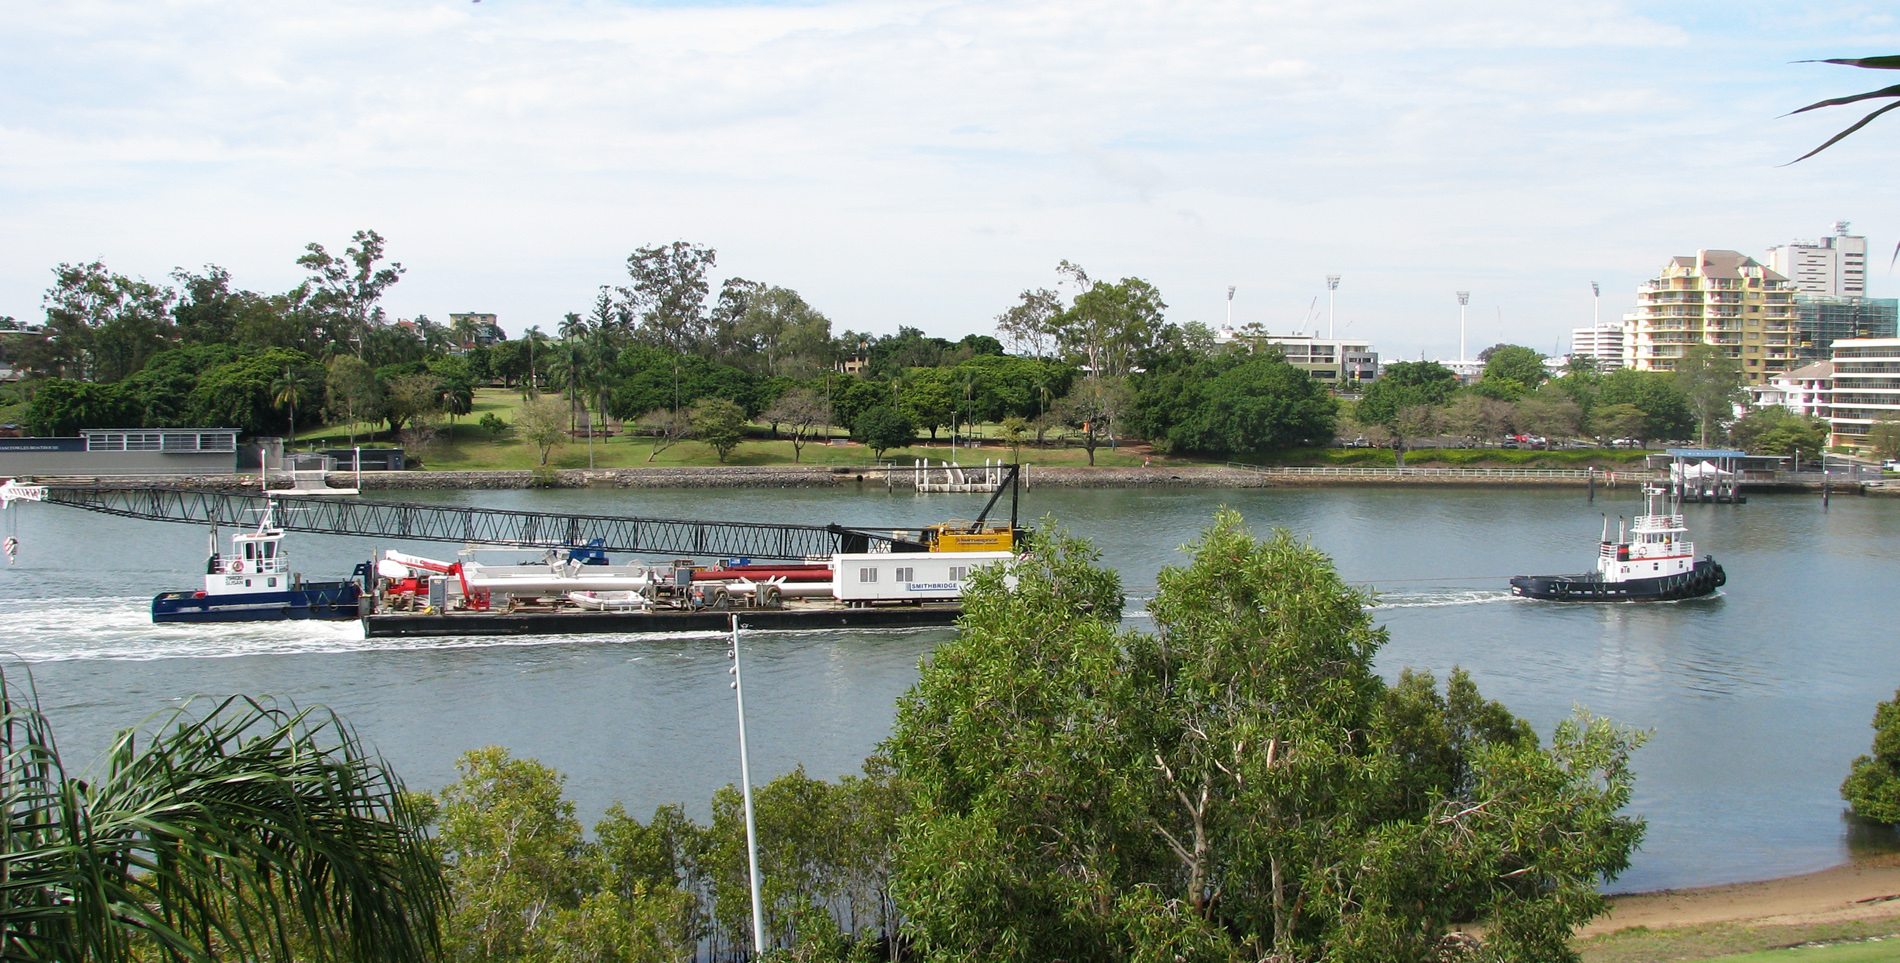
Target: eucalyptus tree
x=100 y=325
x=802 y=412
x=1108 y=326
x=1238 y=784
x=1712 y=383
x=667 y=292
x=1029 y=324
x=239 y=831
x=346 y=288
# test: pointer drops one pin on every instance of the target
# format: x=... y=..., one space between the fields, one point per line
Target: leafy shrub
x=1872 y=786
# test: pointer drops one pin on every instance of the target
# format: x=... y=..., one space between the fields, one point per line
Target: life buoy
x=12 y=547
x=237 y=565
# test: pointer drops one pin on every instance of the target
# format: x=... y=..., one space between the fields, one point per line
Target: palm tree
x=285 y=390
x=458 y=398
x=246 y=832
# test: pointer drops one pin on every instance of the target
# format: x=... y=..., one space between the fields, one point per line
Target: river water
x=1758 y=698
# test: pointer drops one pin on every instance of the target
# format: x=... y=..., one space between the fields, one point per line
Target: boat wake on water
x=121 y=630
x=1430 y=598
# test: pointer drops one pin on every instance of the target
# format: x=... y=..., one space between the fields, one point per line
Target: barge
x=581 y=593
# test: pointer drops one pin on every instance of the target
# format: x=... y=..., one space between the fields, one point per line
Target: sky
x=921 y=163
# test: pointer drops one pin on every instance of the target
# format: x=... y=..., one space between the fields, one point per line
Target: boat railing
x=1372 y=471
x=1659 y=523
x=254 y=566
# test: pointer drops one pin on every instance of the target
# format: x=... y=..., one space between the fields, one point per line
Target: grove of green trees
x=1237 y=784
x=1093 y=362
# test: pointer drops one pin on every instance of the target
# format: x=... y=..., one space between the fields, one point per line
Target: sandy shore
x=1863 y=889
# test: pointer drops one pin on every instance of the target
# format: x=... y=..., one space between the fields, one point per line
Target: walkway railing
x=1372 y=471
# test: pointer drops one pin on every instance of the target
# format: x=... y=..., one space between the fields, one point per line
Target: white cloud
x=919 y=162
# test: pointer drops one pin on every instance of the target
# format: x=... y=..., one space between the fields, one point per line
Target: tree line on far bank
x=1095 y=361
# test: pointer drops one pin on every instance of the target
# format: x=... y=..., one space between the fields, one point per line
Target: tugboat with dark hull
x=255 y=584
x=1654 y=561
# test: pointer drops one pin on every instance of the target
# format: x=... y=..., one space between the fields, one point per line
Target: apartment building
x=1807 y=390
x=1834 y=267
x=1866 y=388
x=1603 y=344
x=1722 y=298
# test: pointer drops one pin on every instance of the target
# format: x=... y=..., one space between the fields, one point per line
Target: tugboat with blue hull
x=1653 y=561
x=255 y=584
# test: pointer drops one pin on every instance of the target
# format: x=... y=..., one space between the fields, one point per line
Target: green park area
x=490 y=438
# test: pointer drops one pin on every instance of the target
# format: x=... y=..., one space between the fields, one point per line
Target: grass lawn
x=470 y=448
x=467 y=447
x=1735 y=943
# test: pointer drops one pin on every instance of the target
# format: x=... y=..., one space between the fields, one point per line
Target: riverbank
x=1857 y=900
x=795 y=476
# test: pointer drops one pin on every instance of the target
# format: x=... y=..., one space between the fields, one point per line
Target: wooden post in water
x=1593 y=483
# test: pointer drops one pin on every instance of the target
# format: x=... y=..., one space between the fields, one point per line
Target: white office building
x=1604 y=345
x=1834 y=267
x=1866 y=388
x=1336 y=361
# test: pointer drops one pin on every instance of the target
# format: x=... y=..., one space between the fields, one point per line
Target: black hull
x=328 y=601
x=706 y=620
x=1705 y=577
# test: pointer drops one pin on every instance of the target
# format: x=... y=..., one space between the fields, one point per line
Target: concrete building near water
x=1866 y=388
x=1721 y=298
x=123 y=451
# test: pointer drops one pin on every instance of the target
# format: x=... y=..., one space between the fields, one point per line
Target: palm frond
x=1874 y=63
x=246 y=830
x=1831 y=141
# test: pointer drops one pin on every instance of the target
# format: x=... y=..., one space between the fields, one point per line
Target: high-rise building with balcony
x=1866 y=388
x=1722 y=298
x=1834 y=267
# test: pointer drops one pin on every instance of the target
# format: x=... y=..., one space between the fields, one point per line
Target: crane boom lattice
x=484 y=526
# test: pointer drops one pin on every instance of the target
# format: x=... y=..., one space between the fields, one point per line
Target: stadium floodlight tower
x=1464 y=298
x=1332 y=313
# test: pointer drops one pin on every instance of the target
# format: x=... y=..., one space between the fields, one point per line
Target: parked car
x=1626 y=443
x=1891 y=464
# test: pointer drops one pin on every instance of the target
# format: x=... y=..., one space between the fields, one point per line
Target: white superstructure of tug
x=257 y=563
x=1656 y=545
